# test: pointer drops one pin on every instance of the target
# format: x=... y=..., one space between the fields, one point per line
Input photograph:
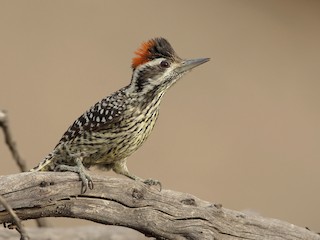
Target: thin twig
x=4 y=124
x=9 y=141
x=17 y=221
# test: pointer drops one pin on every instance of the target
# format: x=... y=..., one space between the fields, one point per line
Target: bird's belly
x=113 y=146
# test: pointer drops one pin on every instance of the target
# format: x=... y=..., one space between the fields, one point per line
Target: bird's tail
x=45 y=164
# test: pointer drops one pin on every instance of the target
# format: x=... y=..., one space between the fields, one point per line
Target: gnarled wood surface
x=116 y=201
x=96 y=232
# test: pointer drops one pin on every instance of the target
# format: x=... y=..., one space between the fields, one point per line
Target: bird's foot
x=153 y=182
x=120 y=167
x=86 y=181
x=84 y=177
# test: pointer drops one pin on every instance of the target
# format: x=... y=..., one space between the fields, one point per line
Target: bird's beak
x=188 y=64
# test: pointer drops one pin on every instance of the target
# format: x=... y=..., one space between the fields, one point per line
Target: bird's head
x=156 y=67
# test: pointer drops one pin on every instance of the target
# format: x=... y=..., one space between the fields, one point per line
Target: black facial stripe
x=149 y=72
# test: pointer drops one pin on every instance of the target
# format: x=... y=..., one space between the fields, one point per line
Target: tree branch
x=164 y=215
x=10 y=142
x=4 y=124
x=17 y=221
x=92 y=232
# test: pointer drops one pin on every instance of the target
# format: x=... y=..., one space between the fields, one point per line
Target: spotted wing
x=100 y=116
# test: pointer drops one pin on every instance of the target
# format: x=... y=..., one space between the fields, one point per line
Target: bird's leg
x=80 y=169
x=120 y=167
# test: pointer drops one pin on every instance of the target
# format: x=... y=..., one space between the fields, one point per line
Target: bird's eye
x=165 y=64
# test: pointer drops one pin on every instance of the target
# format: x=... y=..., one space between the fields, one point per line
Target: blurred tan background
x=242 y=130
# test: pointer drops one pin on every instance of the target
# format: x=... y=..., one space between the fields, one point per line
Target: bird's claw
x=84 y=177
x=153 y=182
x=58 y=168
x=86 y=182
x=85 y=185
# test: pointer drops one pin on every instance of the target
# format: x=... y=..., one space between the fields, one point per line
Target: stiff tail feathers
x=44 y=164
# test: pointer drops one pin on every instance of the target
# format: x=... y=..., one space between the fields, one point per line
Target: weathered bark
x=116 y=201
x=97 y=232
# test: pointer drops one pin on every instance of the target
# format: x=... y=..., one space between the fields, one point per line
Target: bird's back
x=109 y=131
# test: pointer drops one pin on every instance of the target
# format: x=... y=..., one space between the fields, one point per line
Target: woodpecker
x=115 y=127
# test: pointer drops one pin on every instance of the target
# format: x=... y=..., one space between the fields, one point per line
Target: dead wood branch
x=116 y=201
x=17 y=221
x=4 y=124
x=97 y=232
